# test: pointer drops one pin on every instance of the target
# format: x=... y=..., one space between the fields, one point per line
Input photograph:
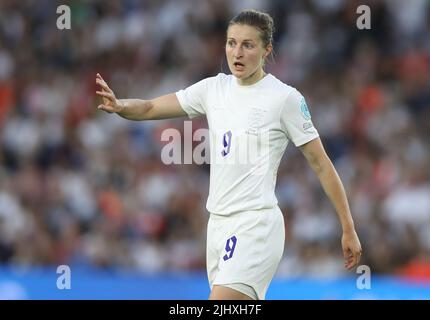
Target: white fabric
x=253 y=124
x=243 y=288
x=258 y=249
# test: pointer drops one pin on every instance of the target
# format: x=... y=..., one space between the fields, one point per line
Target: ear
x=268 y=50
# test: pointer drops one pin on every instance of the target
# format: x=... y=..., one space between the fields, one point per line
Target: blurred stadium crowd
x=82 y=187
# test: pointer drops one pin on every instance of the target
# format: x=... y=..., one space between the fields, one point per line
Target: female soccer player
x=245 y=235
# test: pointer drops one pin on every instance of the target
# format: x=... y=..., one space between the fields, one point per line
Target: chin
x=239 y=75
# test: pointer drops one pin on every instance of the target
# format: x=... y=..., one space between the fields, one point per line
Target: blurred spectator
x=81 y=187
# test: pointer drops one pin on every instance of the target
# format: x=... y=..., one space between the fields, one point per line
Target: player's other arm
x=333 y=187
x=163 y=107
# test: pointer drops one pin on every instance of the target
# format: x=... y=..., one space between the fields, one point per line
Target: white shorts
x=245 y=248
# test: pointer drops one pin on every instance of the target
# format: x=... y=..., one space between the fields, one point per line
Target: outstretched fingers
x=105 y=108
x=110 y=103
x=107 y=95
x=102 y=83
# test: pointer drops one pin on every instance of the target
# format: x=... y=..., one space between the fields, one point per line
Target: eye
x=248 y=45
x=230 y=43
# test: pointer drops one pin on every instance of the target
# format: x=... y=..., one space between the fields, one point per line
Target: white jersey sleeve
x=193 y=98
x=296 y=119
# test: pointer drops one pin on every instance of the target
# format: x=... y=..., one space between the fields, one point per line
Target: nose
x=237 y=52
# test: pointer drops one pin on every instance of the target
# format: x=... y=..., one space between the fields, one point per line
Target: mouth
x=239 y=66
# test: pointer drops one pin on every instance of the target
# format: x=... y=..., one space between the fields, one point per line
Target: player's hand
x=351 y=249
x=110 y=102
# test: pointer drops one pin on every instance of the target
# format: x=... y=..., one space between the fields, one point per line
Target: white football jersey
x=250 y=127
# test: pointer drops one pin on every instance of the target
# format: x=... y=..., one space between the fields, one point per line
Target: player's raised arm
x=163 y=107
x=333 y=187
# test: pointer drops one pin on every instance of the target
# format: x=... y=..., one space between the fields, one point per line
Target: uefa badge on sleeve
x=304 y=109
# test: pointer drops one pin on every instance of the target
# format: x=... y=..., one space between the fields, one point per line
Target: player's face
x=245 y=52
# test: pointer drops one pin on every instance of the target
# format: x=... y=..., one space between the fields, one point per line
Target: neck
x=253 y=78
